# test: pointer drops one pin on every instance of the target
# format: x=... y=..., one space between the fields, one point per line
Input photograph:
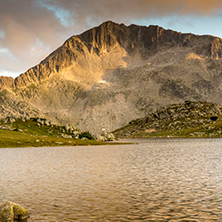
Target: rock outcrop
x=189 y=119
x=10 y=212
x=113 y=73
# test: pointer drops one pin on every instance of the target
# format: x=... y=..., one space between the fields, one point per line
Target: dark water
x=154 y=180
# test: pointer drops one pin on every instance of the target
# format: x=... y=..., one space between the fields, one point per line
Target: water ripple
x=154 y=180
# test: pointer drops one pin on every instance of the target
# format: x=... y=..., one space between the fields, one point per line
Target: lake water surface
x=154 y=180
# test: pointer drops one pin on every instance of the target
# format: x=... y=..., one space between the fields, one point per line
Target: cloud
x=63 y=15
x=22 y=23
x=30 y=29
x=131 y=9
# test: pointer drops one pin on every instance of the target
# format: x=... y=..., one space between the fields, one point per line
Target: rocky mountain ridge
x=113 y=73
x=189 y=119
x=105 y=38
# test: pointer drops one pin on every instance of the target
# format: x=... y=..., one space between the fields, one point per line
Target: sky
x=31 y=29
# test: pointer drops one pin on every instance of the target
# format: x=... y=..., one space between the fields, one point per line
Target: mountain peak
x=109 y=23
x=113 y=73
x=109 y=36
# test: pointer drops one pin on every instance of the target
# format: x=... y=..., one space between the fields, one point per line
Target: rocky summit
x=113 y=73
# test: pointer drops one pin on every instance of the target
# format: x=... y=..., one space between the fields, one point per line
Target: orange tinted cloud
x=23 y=24
x=30 y=29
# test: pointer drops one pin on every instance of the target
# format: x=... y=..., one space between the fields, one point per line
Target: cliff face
x=113 y=73
x=7 y=82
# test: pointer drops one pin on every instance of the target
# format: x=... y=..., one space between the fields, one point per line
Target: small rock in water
x=10 y=212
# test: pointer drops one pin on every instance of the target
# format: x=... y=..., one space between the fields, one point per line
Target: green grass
x=194 y=132
x=20 y=139
x=31 y=135
x=189 y=119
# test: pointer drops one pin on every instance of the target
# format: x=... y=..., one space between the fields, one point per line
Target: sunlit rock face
x=114 y=73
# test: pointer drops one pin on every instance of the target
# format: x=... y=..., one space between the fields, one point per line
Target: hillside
x=189 y=119
x=113 y=73
x=38 y=132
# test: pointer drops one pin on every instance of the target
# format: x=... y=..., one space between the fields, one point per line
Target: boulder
x=101 y=138
x=10 y=212
x=11 y=120
x=67 y=127
x=27 y=118
x=23 y=119
x=47 y=123
x=6 y=212
x=107 y=137
x=40 y=121
x=66 y=136
x=76 y=133
x=110 y=137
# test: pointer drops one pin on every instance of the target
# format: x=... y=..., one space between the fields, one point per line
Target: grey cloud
x=27 y=23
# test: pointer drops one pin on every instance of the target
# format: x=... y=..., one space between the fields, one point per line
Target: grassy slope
x=31 y=135
x=194 y=125
x=187 y=132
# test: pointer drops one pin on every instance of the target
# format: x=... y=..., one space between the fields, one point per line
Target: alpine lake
x=150 y=180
